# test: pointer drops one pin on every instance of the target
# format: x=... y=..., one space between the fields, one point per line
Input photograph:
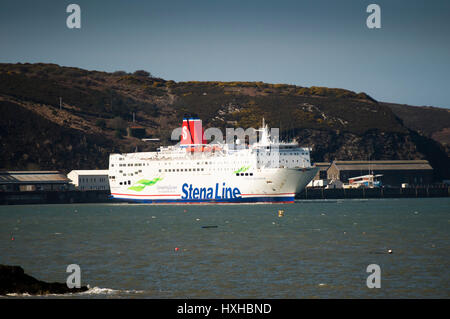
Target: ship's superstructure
x=196 y=172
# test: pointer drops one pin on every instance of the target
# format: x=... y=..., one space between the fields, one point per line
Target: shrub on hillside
x=119 y=73
x=142 y=73
x=101 y=123
x=118 y=123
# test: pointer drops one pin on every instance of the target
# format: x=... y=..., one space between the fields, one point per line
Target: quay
x=381 y=192
x=103 y=196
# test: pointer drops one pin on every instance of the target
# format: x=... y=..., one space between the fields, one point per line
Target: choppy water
x=318 y=249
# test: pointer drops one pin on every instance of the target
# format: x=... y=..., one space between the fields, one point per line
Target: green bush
x=101 y=123
x=142 y=73
x=118 y=133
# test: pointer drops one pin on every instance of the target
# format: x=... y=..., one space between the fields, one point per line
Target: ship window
x=120 y=183
x=178 y=170
x=140 y=171
x=246 y=174
x=203 y=169
x=242 y=174
x=237 y=174
x=120 y=171
x=251 y=174
x=129 y=182
x=159 y=170
x=112 y=165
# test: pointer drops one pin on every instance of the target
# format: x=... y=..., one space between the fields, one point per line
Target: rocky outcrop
x=14 y=280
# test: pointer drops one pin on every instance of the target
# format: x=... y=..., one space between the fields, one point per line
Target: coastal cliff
x=68 y=118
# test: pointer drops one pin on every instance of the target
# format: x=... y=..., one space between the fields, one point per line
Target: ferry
x=266 y=171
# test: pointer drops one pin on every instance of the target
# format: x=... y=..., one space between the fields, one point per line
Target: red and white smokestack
x=192 y=132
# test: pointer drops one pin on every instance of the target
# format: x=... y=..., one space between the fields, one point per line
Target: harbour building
x=89 y=180
x=23 y=181
x=394 y=173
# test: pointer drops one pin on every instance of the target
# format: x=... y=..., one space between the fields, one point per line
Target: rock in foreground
x=14 y=280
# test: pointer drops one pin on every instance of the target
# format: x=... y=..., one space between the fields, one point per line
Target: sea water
x=318 y=249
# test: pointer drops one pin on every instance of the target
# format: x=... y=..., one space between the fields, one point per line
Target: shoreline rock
x=14 y=280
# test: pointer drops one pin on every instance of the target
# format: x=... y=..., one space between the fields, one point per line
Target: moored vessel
x=196 y=172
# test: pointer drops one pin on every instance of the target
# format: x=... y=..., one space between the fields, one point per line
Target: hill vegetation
x=68 y=118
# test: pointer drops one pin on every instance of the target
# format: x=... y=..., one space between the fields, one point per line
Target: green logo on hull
x=143 y=183
x=242 y=169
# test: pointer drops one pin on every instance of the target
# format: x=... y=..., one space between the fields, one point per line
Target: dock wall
x=69 y=197
x=391 y=192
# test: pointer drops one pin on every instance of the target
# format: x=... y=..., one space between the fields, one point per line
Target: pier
x=384 y=192
x=103 y=196
x=55 y=197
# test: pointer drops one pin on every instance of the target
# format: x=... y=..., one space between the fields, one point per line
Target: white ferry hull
x=268 y=185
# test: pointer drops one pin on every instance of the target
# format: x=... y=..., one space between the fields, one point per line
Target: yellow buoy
x=280 y=213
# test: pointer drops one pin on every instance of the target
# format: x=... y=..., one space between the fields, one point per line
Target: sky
x=306 y=43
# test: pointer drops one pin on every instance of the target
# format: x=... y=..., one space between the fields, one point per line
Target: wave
x=95 y=291
x=108 y=291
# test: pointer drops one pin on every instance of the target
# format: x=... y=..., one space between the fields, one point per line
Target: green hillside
x=97 y=108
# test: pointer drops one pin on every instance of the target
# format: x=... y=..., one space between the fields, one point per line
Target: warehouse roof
x=90 y=172
x=323 y=166
x=383 y=165
x=32 y=177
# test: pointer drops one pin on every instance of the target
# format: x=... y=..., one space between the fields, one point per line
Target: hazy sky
x=314 y=42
